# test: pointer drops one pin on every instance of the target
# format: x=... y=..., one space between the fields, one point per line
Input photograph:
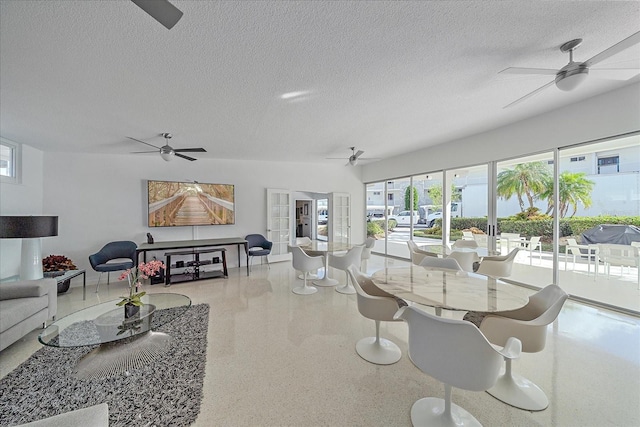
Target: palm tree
x=575 y=188
x=526 y=179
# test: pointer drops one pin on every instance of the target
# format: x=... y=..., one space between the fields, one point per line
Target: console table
x=192 y=244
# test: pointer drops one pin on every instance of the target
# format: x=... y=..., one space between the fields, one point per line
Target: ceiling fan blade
x=184 y=157
x=189 y=150
x=146 y=143
x=358 y=154
x=144 y=152
x=614 y=73
x=616 y=48
x=520 y=70
x=160 y=10
x=529 y=95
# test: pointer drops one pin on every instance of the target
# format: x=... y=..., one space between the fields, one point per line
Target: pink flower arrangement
x=135 y=276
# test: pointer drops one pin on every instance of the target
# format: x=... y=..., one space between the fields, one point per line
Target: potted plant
x=135 y=275
x=57 y=265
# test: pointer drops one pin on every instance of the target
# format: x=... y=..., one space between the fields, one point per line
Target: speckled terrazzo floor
x=275 y=358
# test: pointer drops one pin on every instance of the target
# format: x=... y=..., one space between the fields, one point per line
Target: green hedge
x=568 y=226
x=376 y=228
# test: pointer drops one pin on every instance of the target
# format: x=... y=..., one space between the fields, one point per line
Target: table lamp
x=30 y=229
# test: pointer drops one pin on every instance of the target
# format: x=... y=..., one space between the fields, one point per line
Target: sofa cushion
x=15 y=311
x=25 y=288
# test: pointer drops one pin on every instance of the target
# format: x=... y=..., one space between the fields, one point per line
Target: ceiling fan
x=167 y=152
x=160 y=10
x=354 y=157
x=571 y=75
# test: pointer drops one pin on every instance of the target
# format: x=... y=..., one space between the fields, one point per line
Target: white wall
x=101 y=198
x=601 y=116
x=23 y=198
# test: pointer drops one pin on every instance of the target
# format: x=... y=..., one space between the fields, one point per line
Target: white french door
x=340 y=218
x=279 y=223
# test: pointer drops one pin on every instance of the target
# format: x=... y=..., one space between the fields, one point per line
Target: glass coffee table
x=124 y=343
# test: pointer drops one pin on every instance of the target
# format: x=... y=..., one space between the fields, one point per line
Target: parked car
x=431 y=218
x=323 y=216
x=405 y=218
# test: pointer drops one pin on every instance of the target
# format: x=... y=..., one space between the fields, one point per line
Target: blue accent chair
x=114 y=256
x=258 y=245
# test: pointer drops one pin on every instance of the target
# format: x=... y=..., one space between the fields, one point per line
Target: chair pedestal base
x=305 y=290
x=325 y=282
x=518 y=391
x=430 y=411
x=384 y=352
x=347 y=289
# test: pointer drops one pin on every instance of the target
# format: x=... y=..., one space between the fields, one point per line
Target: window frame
x=16 y=149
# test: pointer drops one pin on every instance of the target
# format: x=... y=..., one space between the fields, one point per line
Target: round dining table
x=451 y=290
x=319 y=247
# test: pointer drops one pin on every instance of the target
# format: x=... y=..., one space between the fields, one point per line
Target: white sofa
x=24 y=306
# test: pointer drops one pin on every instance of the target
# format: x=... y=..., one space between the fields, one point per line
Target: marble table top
x=451 y=291
x=319 y=247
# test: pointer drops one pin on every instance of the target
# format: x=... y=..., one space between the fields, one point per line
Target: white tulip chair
x=305 y=263
x=529 y=325
x=378 y=305
x=456 y=353
x=343 y=262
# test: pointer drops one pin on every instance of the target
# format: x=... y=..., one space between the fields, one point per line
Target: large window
x=9 y=161
x=509 y=204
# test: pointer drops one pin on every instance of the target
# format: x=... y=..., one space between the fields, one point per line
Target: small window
x=390 y=197
x=608 y=164
x=376 y=193
x=577 y=159
x=549 y=162
x=10 y=155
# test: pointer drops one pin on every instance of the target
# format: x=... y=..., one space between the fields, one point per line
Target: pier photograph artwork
x=174 y=204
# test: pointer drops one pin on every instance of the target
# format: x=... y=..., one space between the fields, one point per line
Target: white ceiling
x=385 y=77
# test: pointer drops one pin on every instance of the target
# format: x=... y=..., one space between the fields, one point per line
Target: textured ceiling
x=385 y=77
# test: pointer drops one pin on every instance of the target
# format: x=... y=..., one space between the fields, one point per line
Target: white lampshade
x=167 y=156
x=167 y=153
x=572 y=80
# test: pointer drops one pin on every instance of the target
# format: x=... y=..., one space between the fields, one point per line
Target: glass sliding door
x=599 y=204
x=377 y=215
x=468 y=204
x=403 y=216
x=429 y=200
x=524 y=188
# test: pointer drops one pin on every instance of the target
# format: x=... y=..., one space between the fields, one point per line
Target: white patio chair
x=620 y=255
x=531 y=245
x=467 y=235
